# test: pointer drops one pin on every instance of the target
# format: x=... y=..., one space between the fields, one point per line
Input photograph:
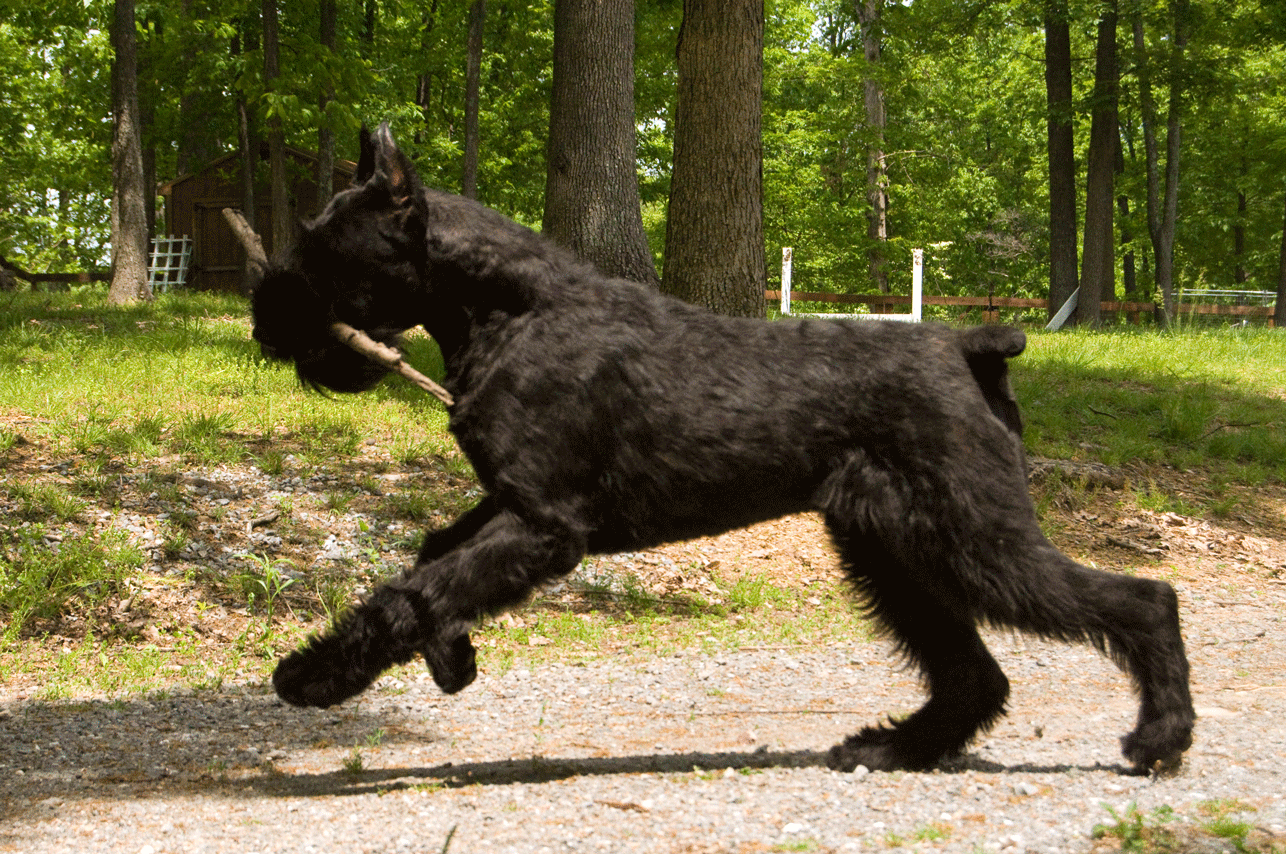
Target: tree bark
x=592 y=203
x=245 y=41
x=714 y=240
x=282 y=220
x=1063 y=275
x=129 y=216
x=472 y=83
x=869 y=13
x=326 y=136
x=1239 y=235
x=1098 y=257
x=1129 y=282
x=1163 y=212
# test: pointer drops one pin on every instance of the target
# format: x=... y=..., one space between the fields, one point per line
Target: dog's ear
x=394 y=167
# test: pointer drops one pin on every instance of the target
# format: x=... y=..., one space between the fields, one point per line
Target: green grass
x=1164 y=831
x=1213 y=399
x=182 y=376
x=177 y=384
x=38 y=579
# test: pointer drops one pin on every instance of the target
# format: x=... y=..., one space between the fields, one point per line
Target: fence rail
x=992 y=304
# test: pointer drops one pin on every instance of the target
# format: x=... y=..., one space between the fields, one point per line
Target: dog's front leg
x=431 y=608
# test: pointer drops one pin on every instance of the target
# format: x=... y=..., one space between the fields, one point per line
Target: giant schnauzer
x=602 y=416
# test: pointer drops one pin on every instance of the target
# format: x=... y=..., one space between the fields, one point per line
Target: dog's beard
x=292 y=323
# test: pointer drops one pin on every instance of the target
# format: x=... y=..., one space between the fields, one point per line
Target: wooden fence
x=991 y=306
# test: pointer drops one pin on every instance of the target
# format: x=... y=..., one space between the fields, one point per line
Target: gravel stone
x=689 y=753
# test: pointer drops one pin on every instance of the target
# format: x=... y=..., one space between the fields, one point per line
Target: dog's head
x=358 y=262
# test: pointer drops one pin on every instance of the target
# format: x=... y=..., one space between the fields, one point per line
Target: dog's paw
x=453 y=665
x=317 y=675
x=879 y=749
x=341 y=663
x=1157 y=747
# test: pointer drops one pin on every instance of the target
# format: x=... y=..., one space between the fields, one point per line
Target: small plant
x=1135 y=831
x=264 y=582
x=174 y=539
x=334 y=595
x=415 y=506
x=931 y=833
x=1225 y=823
x=339 y=502
x=271 y=462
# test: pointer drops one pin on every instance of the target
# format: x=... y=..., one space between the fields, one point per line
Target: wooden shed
x=194 y=206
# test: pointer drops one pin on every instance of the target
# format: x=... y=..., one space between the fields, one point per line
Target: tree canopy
x=964 y=145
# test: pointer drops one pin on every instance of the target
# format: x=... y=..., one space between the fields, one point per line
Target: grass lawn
x=169 y=494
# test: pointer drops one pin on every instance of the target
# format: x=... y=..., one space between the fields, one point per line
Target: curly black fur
x=601 y=416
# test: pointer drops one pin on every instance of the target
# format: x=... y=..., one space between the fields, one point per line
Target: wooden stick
x=390 y=358
x=381 y=354
x=256 y=258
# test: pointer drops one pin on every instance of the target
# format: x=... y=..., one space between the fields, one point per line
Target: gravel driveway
x=689 y=753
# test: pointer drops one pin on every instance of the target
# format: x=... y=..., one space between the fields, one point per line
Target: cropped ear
x=396 y=167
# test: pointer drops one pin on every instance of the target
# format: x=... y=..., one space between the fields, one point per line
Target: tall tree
x=1162 y=211
x=1061 y=149
x=244 y=42
x=1098 y=257
x=869 y=16
x=472 y=84
x=129 y=214
x=714 y=239
x=591 y=190
x=325 y=134
x=282 y=221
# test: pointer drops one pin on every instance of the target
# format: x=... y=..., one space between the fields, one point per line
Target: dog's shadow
x=230 y=743
x=549 y=769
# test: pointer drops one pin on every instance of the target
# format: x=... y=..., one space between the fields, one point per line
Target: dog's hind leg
x=1134 y=620
x=933 y=627
x=496 y=557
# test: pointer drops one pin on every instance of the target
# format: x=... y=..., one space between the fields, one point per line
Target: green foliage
x=964 y=148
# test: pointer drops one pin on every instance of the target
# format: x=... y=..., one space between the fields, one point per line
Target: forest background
x=962 y=151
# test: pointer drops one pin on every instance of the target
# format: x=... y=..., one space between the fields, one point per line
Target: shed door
x=218 y=260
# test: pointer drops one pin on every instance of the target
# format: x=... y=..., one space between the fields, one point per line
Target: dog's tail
x=986 y=349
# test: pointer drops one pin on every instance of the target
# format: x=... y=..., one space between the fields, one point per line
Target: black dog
x=603 y=417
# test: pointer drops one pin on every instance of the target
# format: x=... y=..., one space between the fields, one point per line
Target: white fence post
x=787 y=260
x=917 y=290
x=917 y=284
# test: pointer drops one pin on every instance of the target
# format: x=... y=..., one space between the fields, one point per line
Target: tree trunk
x=714 y=237
x=592 y=203
x=877 y=178
x=326 y=136
x=1098 y=258
x=1062 y=155
x=1279 y=312
x=282 y=221
x=129 y=217
x=1128 y=281
x=472 y=82
x=1163 y=213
